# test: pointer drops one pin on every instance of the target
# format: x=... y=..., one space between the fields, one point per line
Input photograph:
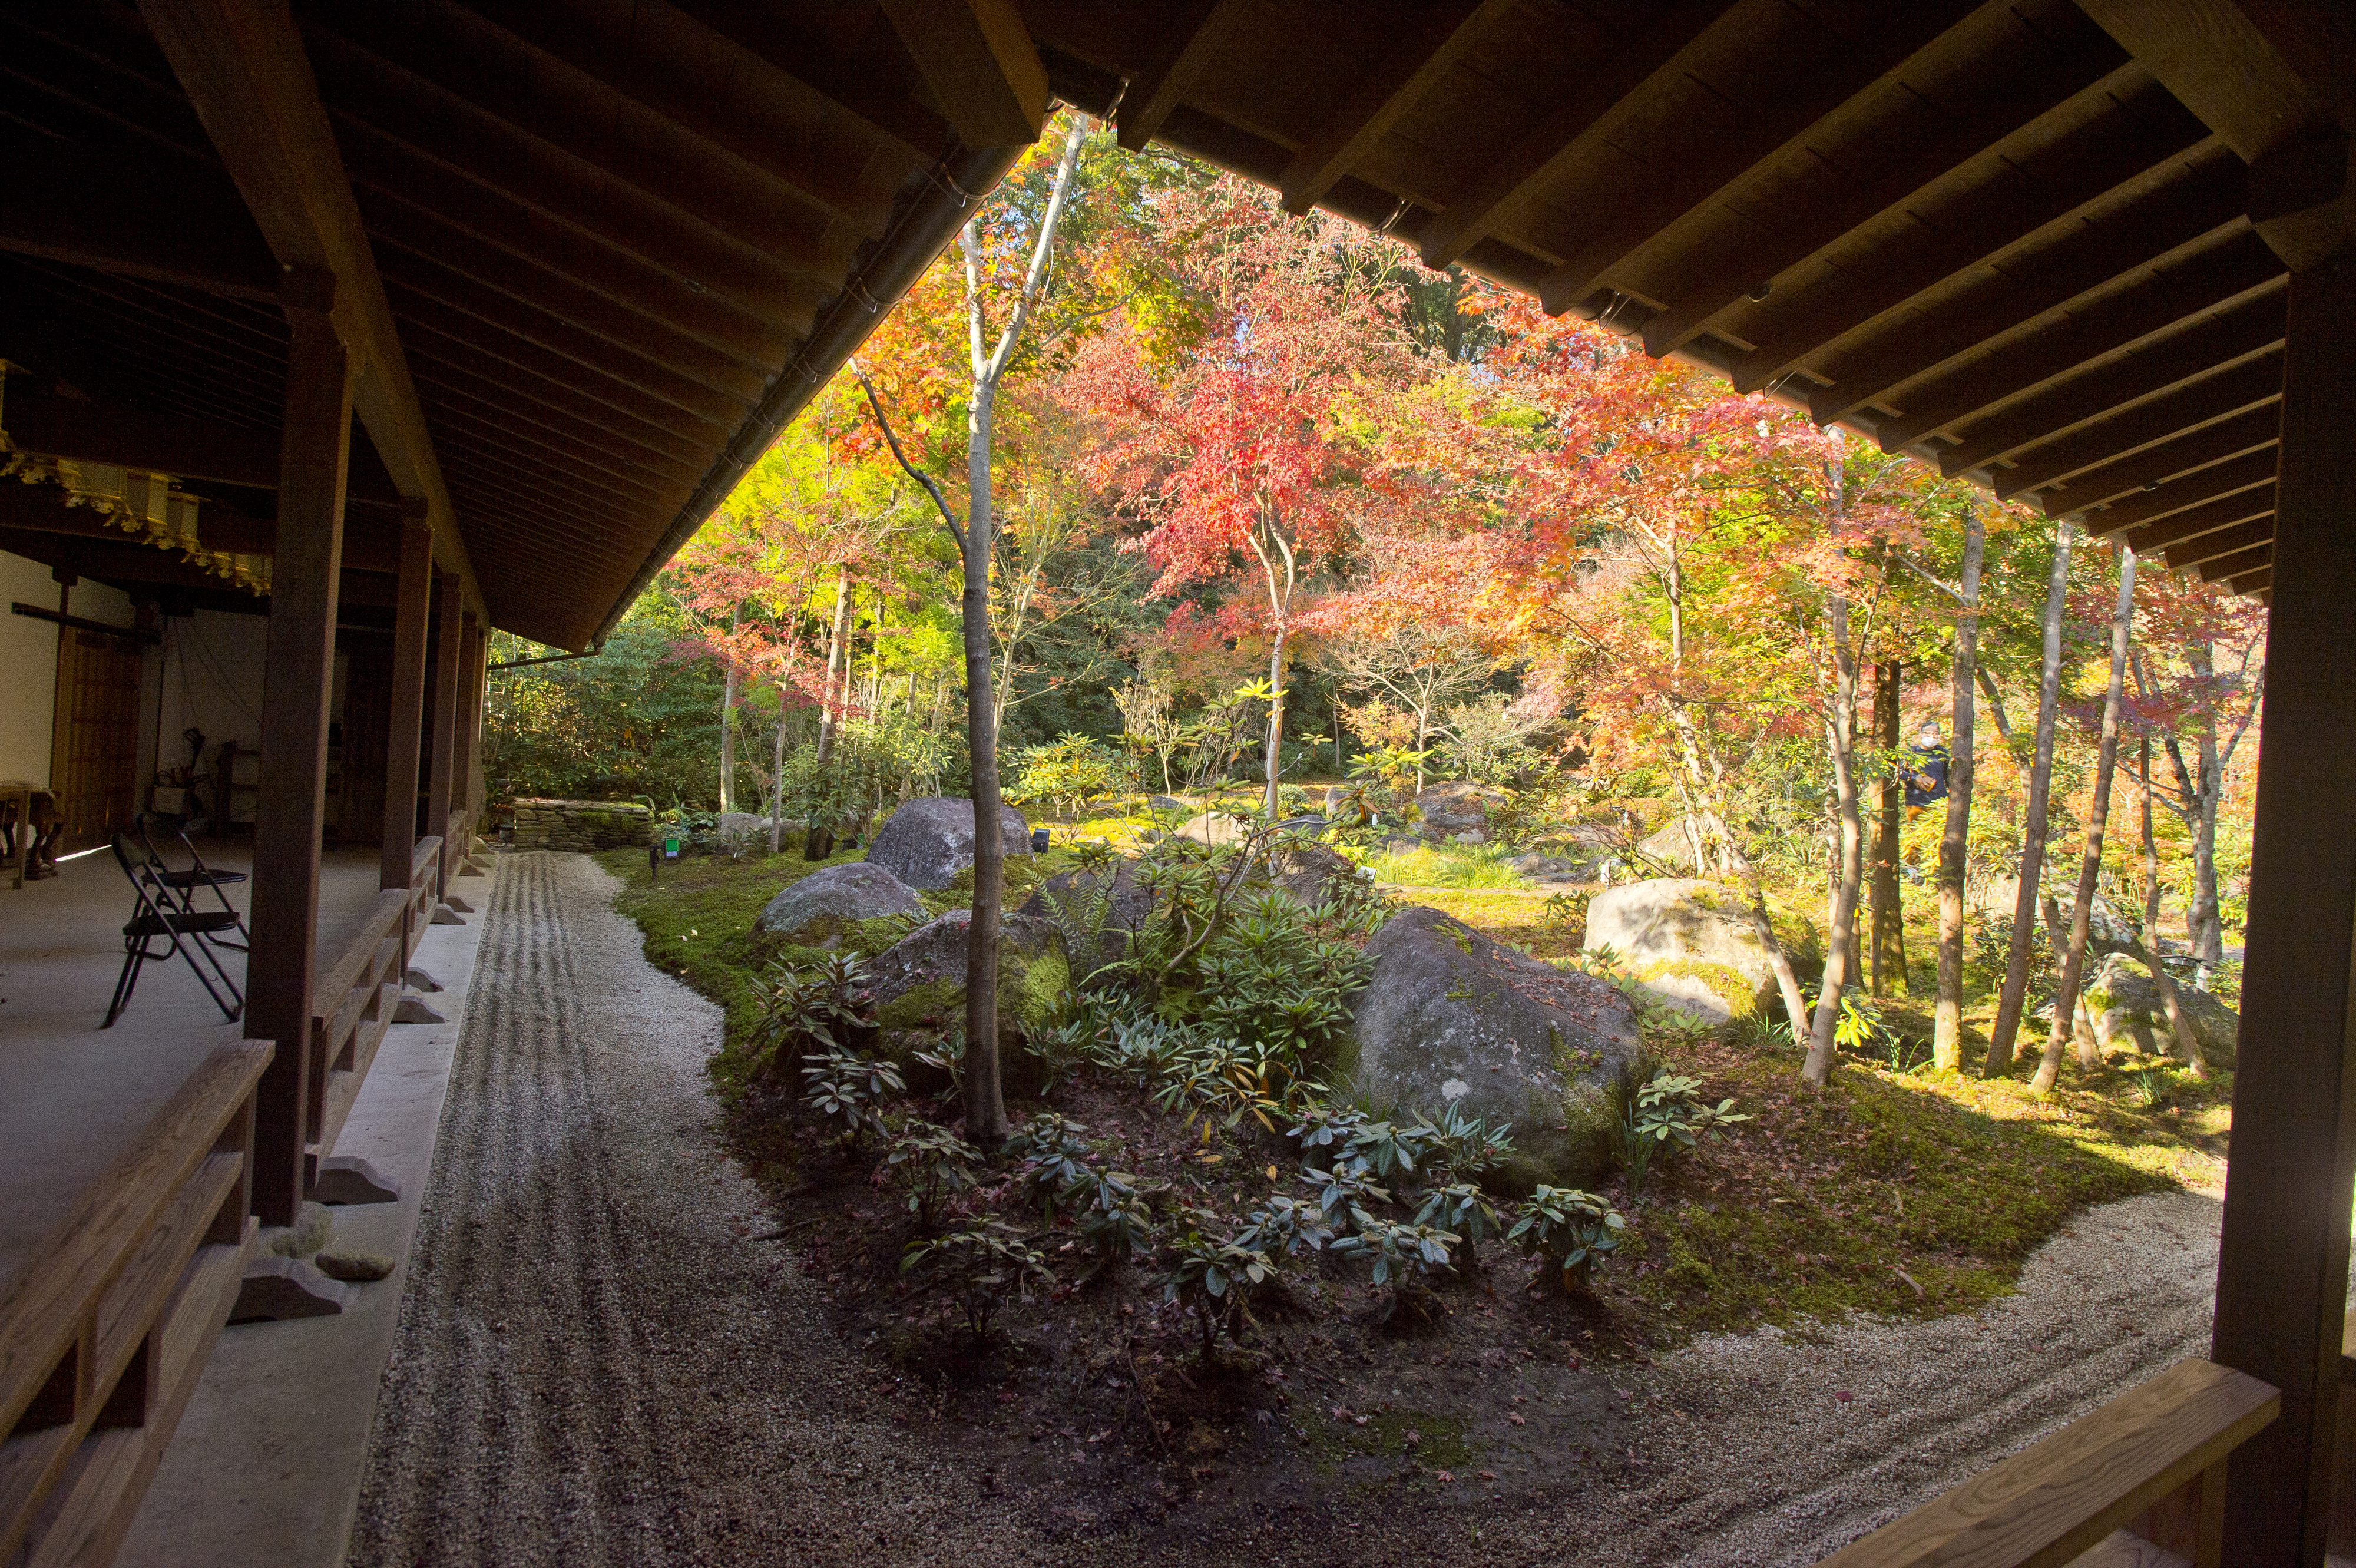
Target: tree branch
x=932 y=487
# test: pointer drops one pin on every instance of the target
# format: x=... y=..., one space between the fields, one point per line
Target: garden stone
x=923 y=976
x=1449 y=1017
x=1691 y=943
x=2125 y=1003
x=1452 y=808
x=929 y=842
x=1306 y=869
x=1668 y=846
x=1215 y=828
x=834 y=901
x=1164 y=803
x=1131 y=904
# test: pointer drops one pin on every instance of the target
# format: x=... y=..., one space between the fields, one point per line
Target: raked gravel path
x=594 y=1366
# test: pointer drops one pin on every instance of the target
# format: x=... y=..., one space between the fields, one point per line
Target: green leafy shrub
x=934 y=1165
x=1054 y=1151
x=1114 y=1217
x=1383 y=1148
x=979 y=1264
x=1467 y=1146
x=1462 y=1209
x=1345 y=1194
x=1067 y=773
x=1213 y=1278
x=1666 y=1117
x=1283 y=1227
x=1402 y=1255
x=849 y=1090
x=1571 y=1230
x=810 y=1009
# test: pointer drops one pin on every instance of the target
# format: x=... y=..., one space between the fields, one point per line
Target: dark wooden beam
x=83 y=623
x=2171 y=415
x=405 y=736
x=299 y=679
x=182 y=447
x=244 y=71
x=1433 y=41
x=2252 y=326
x=776 y=53
x=673 y=139
x=455 y=400
x=42 y=509
x=440 y=359
x=1776 y=122
x=2241 y=505
x=2145 y=140
x=2200 y=488
x=2156 y=466
x=2241 y=272
x=978 y=59
x=1926 y=148
x=177 y=225
x=1586 y=110
x=758 y=333
x=508 y=358
x=425 y=255
x=2226 y=568
x=2275 y=82
x=734 y=243
x=2220 y=542
x=1191 y=33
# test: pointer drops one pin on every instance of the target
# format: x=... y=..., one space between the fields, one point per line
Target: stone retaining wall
x=579 y=824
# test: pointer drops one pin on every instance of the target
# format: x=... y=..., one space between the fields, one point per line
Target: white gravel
x=594 y=1367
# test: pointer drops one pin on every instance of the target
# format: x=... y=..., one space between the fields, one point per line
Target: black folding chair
x=183 y=883
x=159 y=916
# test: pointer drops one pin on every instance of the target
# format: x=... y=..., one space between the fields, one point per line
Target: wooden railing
x=353 y=1002
x=2138 y=1484
x=105 y=1329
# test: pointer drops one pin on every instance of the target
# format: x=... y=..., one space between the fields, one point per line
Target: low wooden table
x=21 y=791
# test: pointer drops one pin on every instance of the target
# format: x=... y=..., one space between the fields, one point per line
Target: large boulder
x=1215 y=828
x=1692 y=943
x=929 y=842
x=2124 y=1001
x=834 y=902
x=922 y=976
x=1306 y=869
x=1451 y=1018
x=1453 y=809
x=1666 y=846
x=1127 y=904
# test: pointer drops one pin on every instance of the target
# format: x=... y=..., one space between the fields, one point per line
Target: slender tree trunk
x=831 y=708
x=1280 y=604
x=2011 y=1001
x=2089 y=866
x=1955 y=840
x=777 y=781
x=1840 y=738
x=1888 y=913
x=2188 y=1049
x=985 y=1097
x=728 y=728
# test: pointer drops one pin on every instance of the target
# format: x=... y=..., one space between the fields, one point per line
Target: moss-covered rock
x=923 y=976
x=2128 y=1014
x=1692 y=943
x=856 y=900
x=1450 y=1017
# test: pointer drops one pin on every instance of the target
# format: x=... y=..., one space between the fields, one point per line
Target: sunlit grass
x=1446 y=865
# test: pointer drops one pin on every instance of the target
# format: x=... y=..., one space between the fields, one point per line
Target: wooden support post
x=406 y=742
x=299 y=671
x=461 y=737
x=2282 y=1268
x=446 y=655
x=479 y=706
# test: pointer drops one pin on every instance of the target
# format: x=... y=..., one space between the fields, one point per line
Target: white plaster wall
x=210 y=677
x=29 y=659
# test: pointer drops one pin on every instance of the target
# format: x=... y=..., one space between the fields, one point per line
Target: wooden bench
x=2138 y=1484
x=106 y=1327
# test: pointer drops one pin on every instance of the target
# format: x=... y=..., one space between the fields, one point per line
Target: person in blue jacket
x=1925 y=774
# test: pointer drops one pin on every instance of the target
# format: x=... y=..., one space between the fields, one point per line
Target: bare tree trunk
x=2089 y=867
x=985 y=1096
x=1888 y=913
x=2032 y=827
x=1840 y=737
x=777 y=781
x=831 y=707
x=1276 y=716
x=728 y=730
x=2188 y=1049
x=1954 y=840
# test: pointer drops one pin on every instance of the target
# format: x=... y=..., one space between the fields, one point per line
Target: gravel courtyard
x=599 y=1362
